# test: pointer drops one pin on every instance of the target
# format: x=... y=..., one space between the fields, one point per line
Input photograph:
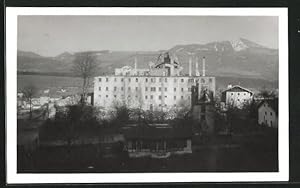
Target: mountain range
x=239 y=58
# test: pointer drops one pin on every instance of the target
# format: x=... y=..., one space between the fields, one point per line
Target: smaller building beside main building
x=237 y=96
x=268 y=113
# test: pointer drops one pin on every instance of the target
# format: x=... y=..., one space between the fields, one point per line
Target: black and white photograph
x=150 y=94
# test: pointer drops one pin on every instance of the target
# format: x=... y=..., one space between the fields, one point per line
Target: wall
x=238 y=99
x=138 y=91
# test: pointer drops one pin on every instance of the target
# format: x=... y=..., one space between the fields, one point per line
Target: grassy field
x=45 y=82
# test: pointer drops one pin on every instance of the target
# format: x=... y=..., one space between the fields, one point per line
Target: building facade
x=268 y=113
x=160 y=87
x=156 y=141
x=237 y=96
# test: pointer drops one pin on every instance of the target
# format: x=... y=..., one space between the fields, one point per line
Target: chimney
x=203 y=66
x=135 y=63
x=190 y=66
x=197 y=70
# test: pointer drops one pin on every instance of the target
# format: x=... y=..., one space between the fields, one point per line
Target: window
x=181 y=97
x=106 y=79
x=159 y=97
x=159 y=79
x=115 y=79
x=174 y=97
x=136 y=96
x=244 y=93
x=265 y=113
x=100 y=79
x=146 y=88
x=159 y=89
x=99 y=96
x=129 y=79
x=210 y=80
x=122 y=88
x=271 y=113
x=165 y=96
x=166 y=89
x=202 y=80
x=231 y=93
x=152 y=79
x=115 y=96
x=174 y=88
x=271 y=123
x=182 y=89
x=153 y=89
x=129 y=88
x=189 y=97
x=151 y=96
x=136 y=80
x=106 y=88
x=99 y=88
x=106 y=96
x=182 y=80
x=136 y=88
x=122 y=79
x=189 y=89
x=166 y=79
x=115 y=88
x=146 y=97
x=146 y=79
x=159 y=105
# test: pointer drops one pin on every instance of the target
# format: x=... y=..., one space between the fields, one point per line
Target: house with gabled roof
x=268 y=113
x=237 y=96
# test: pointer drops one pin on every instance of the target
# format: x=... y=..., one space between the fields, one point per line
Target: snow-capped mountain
x=242 y=58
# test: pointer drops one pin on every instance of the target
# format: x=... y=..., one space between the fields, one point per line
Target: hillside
x=240 y=58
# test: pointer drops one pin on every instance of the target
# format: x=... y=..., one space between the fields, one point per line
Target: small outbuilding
x=237 y=96
x=268 y=113
x=156 y=141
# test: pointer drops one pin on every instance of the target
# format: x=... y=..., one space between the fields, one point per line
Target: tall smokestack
x=197 y=70
x=190 y=66
x=135 y=63
x=203 y=66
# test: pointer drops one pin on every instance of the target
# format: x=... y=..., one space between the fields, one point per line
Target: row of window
x=239 y=94
x=153 y=80
x=270 y=113
x=149 y=97
x=240 y=100
x=146 y=89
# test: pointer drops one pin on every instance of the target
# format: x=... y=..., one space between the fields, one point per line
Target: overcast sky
x=52 y=35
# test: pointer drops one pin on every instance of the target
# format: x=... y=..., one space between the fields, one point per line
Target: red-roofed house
x=237 y=96
x=268 y=113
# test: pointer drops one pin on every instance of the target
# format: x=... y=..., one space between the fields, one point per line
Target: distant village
x=158 y=111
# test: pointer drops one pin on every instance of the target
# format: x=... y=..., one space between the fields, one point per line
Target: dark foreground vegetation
x=77 y=141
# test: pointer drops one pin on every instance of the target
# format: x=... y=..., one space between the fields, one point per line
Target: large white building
x=160 y=87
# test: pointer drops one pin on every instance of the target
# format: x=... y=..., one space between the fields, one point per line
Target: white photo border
x=11 y=94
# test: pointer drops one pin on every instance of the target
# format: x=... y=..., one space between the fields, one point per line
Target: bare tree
x=84 y=65
x=28 y=93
